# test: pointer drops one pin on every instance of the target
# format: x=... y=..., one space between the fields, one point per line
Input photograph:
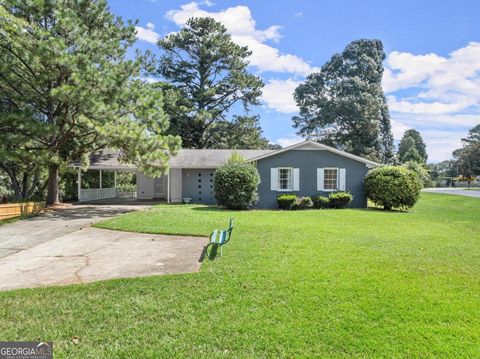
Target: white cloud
x=147 y=33
x=441 y=143
x=278 y=95
x=150 y=79
x=288 y=141
x=408 y=106
x=298 y=14
x=240 y=24
x=437 y=95
x=398 y=128
x=445 y=84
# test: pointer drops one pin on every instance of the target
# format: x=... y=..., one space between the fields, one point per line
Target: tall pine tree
x=207 y=75
x=66 y=62
x=412 y=140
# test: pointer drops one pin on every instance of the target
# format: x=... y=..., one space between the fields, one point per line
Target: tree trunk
x=14 y=181
x=25 y=185
x=52 y=192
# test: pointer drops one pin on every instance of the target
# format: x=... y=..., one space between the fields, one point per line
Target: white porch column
x=115 y=182
x=79 y=183
x=100 y=179
x=168 y=185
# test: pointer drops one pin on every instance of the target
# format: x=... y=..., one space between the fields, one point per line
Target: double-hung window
x=330 y=179
x=285 y=179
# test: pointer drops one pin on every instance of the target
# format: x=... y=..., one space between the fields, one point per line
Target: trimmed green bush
x=304 y=202
x=235 y=184
x=422 y=172
x=286 y=201
x=340 y=199
x=393 y=187
x=320 y=202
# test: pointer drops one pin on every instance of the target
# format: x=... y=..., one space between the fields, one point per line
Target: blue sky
x=432 y=76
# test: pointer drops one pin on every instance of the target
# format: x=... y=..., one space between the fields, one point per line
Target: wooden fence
x=11 y=210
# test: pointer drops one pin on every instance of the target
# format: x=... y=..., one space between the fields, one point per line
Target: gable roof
x=191 y=158
x=108 y=159
x=210 y=158
x=319 y=146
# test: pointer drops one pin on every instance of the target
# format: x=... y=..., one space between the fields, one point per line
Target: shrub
x=304 y=202
x=295 y=205
x=421 y=170
x=340 y=199
x=235 y=184
x=286 y=201
x=320 y=202
x=393 y=187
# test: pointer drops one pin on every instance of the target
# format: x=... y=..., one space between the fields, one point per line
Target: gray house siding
x=197 y=184
x=308 y=161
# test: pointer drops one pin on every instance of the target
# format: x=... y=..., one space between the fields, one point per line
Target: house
x=306 y=168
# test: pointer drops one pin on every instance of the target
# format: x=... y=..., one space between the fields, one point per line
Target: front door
x=159 y=187
x=198 y=185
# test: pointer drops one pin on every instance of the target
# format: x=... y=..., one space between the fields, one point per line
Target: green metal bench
x=221 y=236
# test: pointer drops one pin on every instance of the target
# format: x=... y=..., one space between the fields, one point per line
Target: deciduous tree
x=344 y=105
x=468 y=157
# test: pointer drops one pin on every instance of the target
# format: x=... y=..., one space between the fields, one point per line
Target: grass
x=15 y=219
x=329 y=283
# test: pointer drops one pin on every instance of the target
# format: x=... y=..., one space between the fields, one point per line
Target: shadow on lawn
x=209 y=209
x=210 y=251
x=378 y=209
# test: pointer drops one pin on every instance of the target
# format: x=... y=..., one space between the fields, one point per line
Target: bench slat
x=213 y=237
x=222 y=237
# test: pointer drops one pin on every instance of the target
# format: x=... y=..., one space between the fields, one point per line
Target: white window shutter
x=296 y=179
x=273 y=179
x=320 y=176
x=341 y=179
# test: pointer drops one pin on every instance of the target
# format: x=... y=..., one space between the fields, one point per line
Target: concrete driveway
x=455 y=191
x=60 y=247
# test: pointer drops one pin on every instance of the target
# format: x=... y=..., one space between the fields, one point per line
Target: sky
x=432 y=65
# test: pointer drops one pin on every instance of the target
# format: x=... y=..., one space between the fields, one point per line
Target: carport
x=104 y=162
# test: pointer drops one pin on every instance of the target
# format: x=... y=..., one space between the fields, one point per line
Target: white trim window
x=285 y=178
x=330 y=179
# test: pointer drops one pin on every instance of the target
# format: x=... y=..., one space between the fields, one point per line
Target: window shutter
x=296 y=179
x=273 y=179
x=320 y=175
x=341 y=179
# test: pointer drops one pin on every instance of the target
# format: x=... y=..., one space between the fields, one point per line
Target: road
x=455 y=191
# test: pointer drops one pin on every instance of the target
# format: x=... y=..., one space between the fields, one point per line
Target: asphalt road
x=456 y=191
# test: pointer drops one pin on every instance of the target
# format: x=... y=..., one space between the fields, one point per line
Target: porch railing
x=95 y=194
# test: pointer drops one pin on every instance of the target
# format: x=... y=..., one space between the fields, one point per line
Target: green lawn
x=327 y=283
